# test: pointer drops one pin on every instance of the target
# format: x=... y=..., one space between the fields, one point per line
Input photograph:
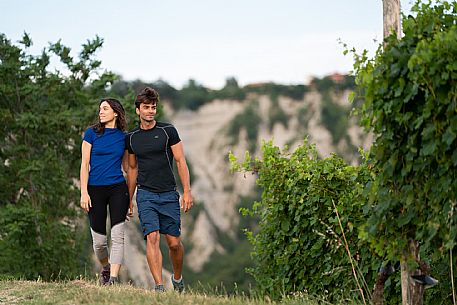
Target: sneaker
x=159 y=288
x=104 y=276
x=113 y=281
x=178 y=286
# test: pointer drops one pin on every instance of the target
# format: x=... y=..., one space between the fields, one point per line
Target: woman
x=103 y=185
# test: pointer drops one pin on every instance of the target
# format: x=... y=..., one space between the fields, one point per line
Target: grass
x=78 y=292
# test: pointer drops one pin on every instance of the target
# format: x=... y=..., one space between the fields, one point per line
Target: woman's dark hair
x=147 y=96
x=121 y=122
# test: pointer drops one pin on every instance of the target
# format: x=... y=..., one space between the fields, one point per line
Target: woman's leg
x=118 y=207
x=97 y=219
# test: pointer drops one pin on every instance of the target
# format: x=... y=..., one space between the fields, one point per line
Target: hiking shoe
x=113 y=281
x=159 y=288
x=177 y=286
x=104 y=276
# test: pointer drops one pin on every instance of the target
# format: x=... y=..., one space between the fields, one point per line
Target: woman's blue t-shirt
x=105 y=156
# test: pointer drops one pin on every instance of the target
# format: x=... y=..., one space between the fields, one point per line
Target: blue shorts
x=159 y=212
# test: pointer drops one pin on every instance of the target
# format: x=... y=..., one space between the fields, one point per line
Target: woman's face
x=106 y=113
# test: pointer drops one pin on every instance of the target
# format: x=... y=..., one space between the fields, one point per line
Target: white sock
x=177 y=281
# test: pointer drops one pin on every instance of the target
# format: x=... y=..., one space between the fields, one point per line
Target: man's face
x=147 y=112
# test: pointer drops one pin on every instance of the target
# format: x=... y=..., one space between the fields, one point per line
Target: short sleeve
x=127 y=143
x=89 y=136
x=174 y=137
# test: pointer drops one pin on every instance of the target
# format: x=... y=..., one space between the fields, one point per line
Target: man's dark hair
x=147 y=96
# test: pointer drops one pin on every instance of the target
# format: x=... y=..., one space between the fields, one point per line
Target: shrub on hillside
x=299 y=245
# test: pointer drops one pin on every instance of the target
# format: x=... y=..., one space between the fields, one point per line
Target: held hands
x=85 y=202
x=129 y=212
x=186 y=201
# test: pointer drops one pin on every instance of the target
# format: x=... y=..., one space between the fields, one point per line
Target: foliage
x=231 y=90
x=43 y=115
x=192 y=96
x=277 y=115
x=295 y=92
x=324 y=84
x=410 y=103
x=248 y=120
x=33 y=247
x=121 y=88
x=304 y=115
x=439 y=269
x=299 y=244
x=335 y=118
x=328 y=83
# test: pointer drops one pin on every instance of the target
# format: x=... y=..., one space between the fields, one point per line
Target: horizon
x=207 y=41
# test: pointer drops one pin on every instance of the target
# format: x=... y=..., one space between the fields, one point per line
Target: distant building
x=258 y=85
x=337 y=77
x=328 y=81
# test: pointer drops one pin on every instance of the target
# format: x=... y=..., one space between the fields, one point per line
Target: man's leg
x=176 y=251
x=149 y=219
x=154 y=256
x=170 y=226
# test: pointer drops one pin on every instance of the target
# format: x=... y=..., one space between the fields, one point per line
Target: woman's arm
x=84 y=175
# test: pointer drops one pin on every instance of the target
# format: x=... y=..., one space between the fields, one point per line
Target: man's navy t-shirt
x=105 y=156
x=152 y=148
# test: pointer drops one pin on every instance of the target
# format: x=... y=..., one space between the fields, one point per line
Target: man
x=152 y=147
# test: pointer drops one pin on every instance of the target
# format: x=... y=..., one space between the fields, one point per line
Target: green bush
x=410 y=103
x=299 y=245
x=409 y=91
x=34 y=245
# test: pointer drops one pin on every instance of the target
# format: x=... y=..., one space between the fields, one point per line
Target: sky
x=287 y=41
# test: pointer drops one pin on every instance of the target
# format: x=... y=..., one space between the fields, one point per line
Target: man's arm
x=132 y=173
x=183 y=171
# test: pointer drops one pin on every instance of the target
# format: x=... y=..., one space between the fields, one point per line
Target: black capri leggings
x=116 y=197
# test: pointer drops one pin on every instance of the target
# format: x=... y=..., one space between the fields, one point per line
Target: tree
x=391 y=18
x=192 y=95
x=231 y=90
x=43 y=115
x=409 y=92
